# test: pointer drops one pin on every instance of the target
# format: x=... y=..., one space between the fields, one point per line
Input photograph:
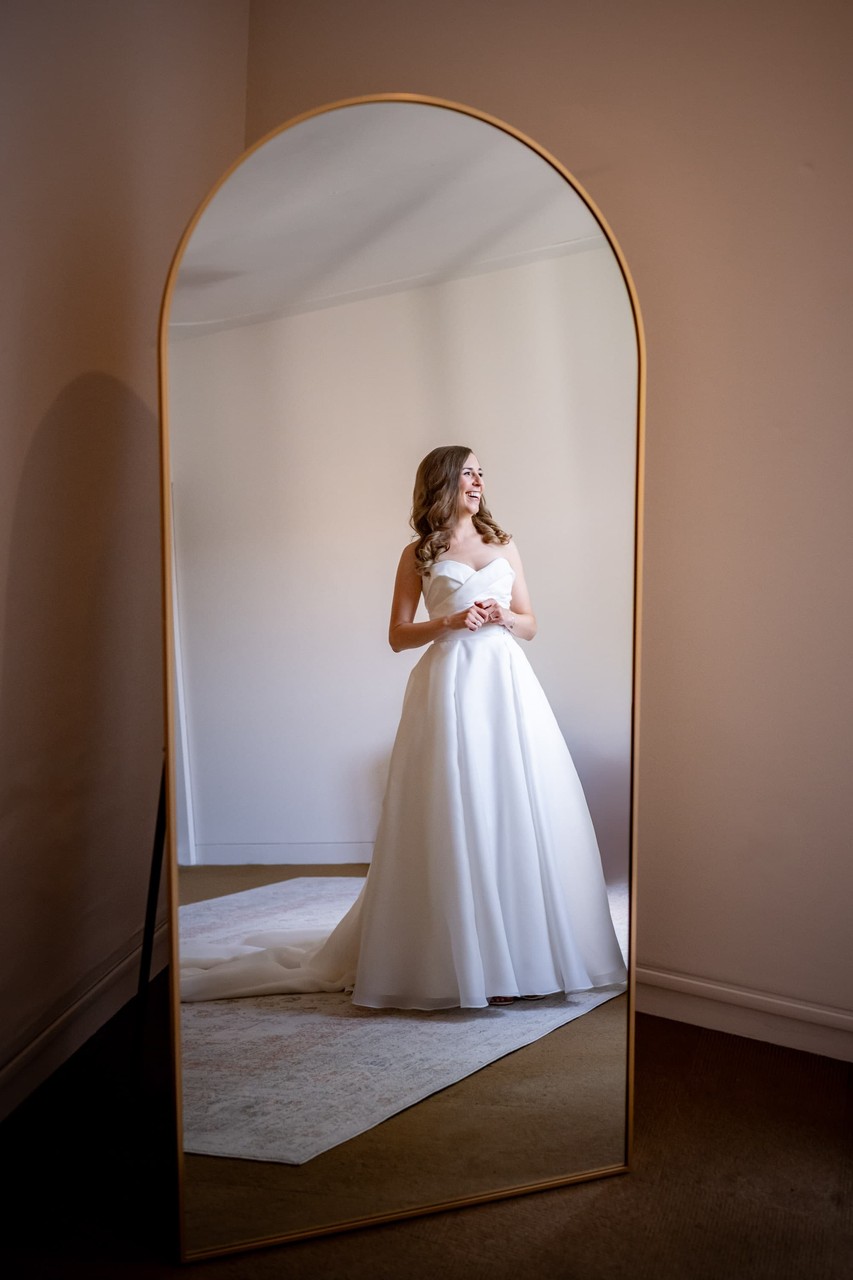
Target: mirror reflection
x=373 y=282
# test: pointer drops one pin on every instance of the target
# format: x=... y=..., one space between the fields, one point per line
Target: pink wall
x=122 y=115
x=716 y=139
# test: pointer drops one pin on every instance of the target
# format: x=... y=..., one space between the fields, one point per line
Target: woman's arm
x=519 y=619
x=403 y=631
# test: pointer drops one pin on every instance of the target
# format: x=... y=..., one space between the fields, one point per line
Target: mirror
x=375 y=279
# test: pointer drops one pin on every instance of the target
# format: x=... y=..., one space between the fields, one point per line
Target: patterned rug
x=284 y=1078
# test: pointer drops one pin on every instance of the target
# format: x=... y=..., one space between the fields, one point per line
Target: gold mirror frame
x=487 y=1194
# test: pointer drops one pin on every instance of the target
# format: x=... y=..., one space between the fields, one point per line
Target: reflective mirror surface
x=374 y=280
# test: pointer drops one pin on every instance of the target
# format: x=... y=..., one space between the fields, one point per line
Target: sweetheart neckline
x=466 y=565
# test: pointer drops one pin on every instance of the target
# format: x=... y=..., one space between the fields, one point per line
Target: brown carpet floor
x=743 y=1168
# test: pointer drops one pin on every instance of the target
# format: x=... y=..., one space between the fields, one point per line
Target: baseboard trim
x=74 y=1026
x=758 y=1015
x=263 y=855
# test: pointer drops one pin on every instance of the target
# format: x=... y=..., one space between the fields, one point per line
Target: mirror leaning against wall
x=375 y=279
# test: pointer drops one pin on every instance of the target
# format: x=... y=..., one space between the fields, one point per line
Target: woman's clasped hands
x=481 y=613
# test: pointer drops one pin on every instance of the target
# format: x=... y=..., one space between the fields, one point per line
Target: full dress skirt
x=486 y=878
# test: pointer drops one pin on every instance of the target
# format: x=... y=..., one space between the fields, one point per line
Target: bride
x=486 y=883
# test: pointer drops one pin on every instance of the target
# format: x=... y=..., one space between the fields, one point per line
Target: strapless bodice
x=452 y=585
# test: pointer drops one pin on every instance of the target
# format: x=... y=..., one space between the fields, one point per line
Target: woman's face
x=470 y=487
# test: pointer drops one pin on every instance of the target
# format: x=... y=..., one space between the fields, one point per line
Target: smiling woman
x=369 y=280
x=485 y=884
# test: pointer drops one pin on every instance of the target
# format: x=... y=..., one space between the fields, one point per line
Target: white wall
x=116 y=120
x=716 y=139
x=294 y=446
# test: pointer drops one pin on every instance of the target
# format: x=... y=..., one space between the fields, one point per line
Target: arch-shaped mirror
x=374 y=279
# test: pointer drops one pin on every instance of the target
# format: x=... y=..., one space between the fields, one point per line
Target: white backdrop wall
x=294 y=446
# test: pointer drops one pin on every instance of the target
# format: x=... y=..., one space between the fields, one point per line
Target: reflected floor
x=552 y=1110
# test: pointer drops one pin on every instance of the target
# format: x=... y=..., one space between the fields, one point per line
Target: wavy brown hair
x=435 y=505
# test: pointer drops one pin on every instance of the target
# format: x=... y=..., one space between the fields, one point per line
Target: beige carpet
x=742 y=1169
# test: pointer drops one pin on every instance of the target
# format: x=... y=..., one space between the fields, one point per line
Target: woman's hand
x=472 y=618
x=496 y=613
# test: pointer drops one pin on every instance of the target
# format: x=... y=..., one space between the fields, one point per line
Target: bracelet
x=511 y=624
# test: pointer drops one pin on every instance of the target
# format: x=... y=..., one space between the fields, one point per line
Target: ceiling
x=371 y=199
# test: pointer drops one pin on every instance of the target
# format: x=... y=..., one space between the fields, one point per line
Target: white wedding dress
x=486 y=878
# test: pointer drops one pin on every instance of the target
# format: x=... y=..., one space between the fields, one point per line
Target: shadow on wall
x=609 y=801
x=80 y=701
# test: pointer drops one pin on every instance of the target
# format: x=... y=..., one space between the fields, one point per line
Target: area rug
x=284 y=1078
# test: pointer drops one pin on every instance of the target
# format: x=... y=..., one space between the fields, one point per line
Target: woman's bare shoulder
x=408 y=566
x=510 y=550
